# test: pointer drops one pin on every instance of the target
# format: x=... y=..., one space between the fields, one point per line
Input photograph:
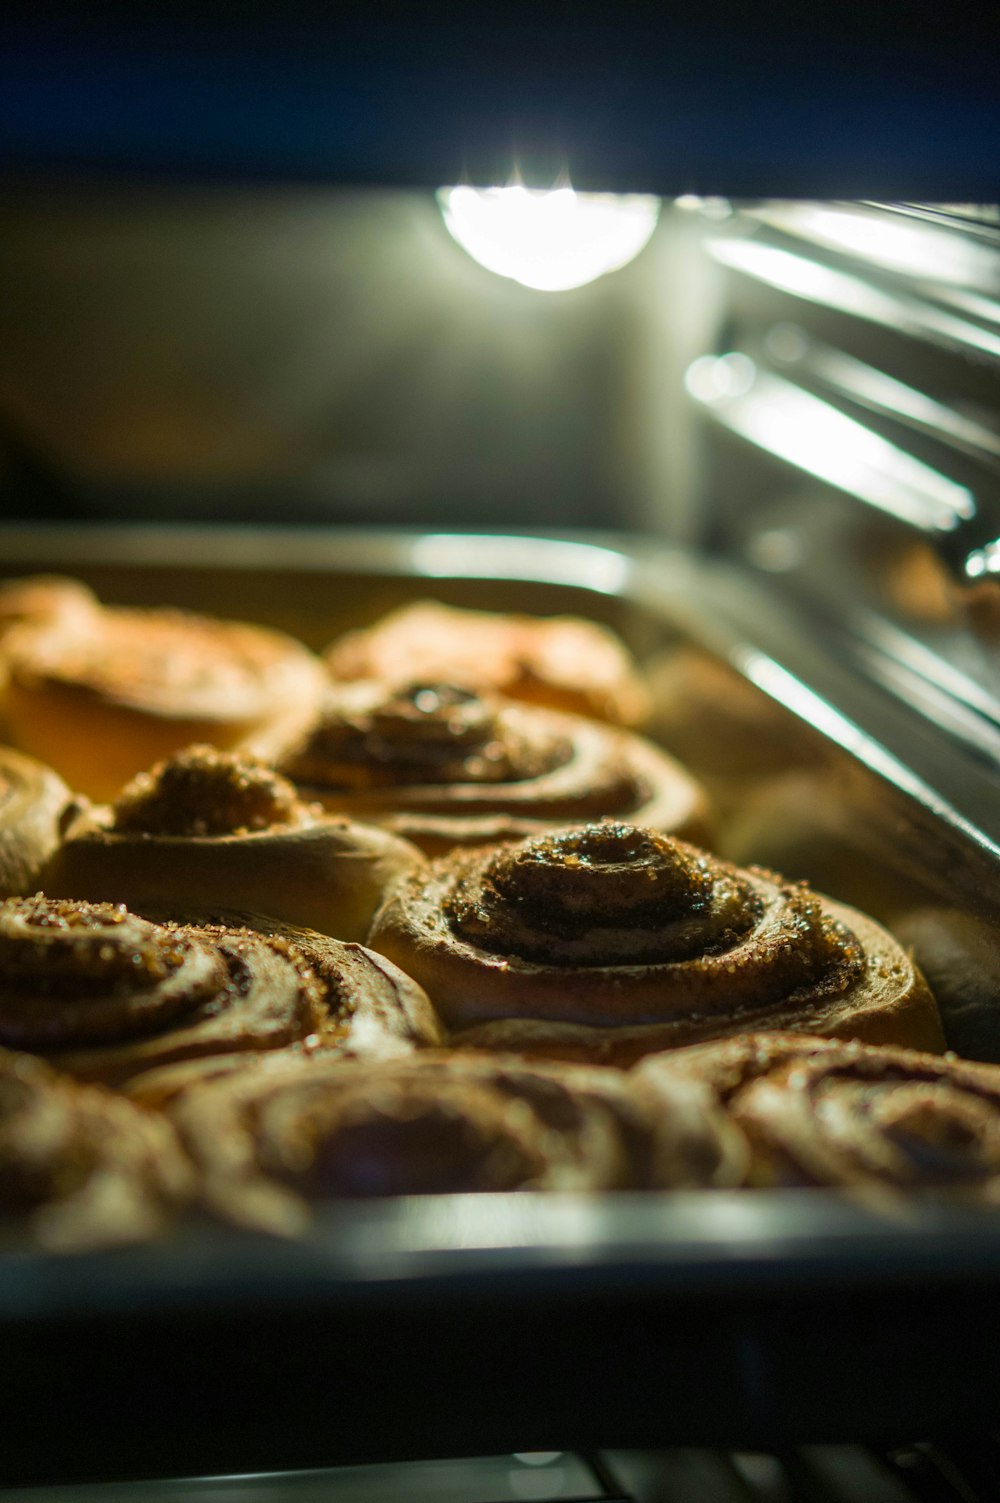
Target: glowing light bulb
x=551 y=240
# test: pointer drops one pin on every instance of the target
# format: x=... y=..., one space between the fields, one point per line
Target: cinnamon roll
x=35 y=805
x=609 y=941
x=817 y=1111
x=272 y=1140
x=212 y=830
x=106 y=995
x=45 y=598
x=564 y=662
x=80 y=1166
x=102 y=696
x=445 y=766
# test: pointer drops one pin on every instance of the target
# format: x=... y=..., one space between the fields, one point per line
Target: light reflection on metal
x=838 y=289
x=550 y=240
x=537 y=1485
x=924 y=678
x=809 y=433
x=972 y=303
x=481 y=556
x=711 y=378
x=708 y=208
x=810 y=707
x=897 y=243
x=875 y=389
x=984 y=561
x=776 y=550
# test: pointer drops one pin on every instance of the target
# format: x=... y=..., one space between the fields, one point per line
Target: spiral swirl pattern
x=106 y=994
x=820 y=1112
x=445 y=766
x=80 y=1166
x=564 y=662
x=271 y=1141
x=615 y=939
x=91 y=973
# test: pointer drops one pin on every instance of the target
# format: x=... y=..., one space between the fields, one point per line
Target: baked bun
x=219 y=830
x=101 y=697
x=445 y=766
x=272 y=1140
x=560 y=661
x=41 y=598
x=818 y=1111
x=609 y=941
x=81 y=1167
x=35 y=805
x=106 y=995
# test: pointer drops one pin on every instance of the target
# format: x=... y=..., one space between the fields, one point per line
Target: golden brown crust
x=817 y=1111
x=208 y=829
x=104 y=993
x=272 y=1140
x=560 y=661
x=107 y=995
x=108 y=695
x=446 y=766
x=81 y=1167
x=372 y=1011
x=35 y=806
x=45 y=598
x=611 y=941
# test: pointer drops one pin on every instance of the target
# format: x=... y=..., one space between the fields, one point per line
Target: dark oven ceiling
x=890 y=101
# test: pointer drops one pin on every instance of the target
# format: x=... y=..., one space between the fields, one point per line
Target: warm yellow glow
x=549 y=240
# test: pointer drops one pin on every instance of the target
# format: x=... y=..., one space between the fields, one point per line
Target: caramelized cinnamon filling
x=375 y=736
x=201 y=791
x=607 y=894
x=931 y=1131
x=383 y=1140
x=52 y=944
x=74 y=972
x=617 y=895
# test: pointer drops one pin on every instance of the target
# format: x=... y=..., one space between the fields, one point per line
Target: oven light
x=551 y=240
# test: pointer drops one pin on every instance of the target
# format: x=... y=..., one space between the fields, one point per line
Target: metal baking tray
x=464 y=1325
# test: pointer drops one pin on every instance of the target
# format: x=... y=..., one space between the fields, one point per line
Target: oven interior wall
x=319 y=355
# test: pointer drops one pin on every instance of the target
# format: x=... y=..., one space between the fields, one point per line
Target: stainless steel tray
x=468 y=1325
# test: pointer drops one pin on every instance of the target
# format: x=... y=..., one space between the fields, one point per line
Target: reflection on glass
x=551 y=240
